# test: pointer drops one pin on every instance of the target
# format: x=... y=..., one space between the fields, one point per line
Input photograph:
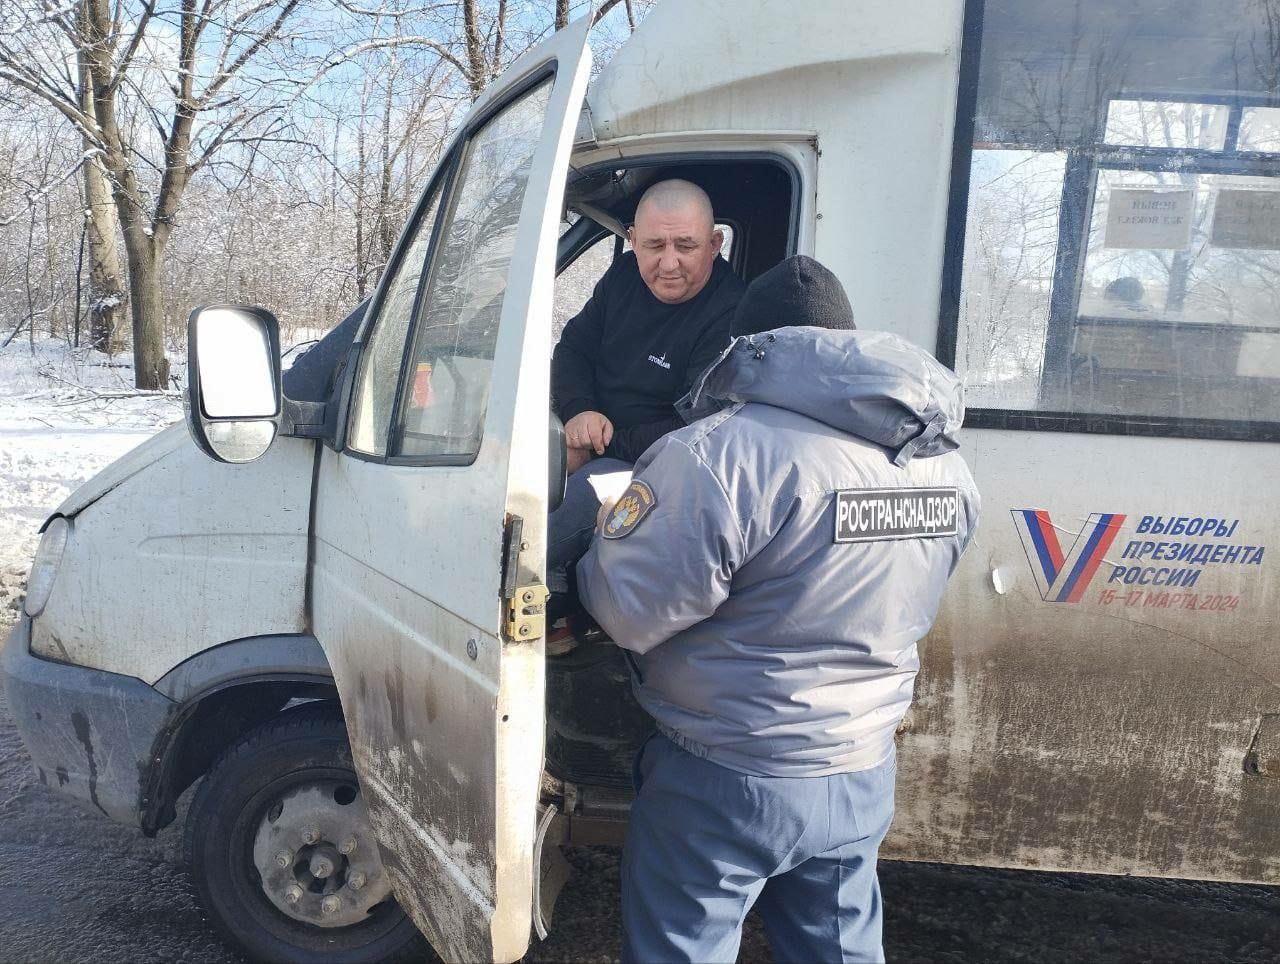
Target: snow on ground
x=64 y=415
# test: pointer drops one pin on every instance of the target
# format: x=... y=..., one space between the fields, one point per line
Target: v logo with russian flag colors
x=1059 y=577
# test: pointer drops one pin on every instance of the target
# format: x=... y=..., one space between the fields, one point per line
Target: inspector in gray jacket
x=774 y=563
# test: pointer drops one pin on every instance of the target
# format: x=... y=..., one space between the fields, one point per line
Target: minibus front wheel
x=282 y=853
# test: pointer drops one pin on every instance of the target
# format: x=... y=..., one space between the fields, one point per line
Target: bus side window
x=1122 y=245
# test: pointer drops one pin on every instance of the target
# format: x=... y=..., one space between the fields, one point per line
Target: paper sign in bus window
x=1149 y=218
x=1246 y=219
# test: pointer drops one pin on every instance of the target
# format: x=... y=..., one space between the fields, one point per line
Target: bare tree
x=192 y=87
x=240 y=149
x=37 y=177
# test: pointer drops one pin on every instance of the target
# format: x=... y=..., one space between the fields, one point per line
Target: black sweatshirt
x=631 y=357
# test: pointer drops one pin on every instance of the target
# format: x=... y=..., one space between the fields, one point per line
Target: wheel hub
x=316 y=856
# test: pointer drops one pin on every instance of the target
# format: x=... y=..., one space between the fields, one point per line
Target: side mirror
x=558 y=464
x=233 y=399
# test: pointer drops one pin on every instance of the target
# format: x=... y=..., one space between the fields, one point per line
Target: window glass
x=1260 y=129
x=576 y=282
x=1122 y=250
x=726 y=249
x=375 y=386
x=448 y=386
x=1155 y=123
x=1010 y=244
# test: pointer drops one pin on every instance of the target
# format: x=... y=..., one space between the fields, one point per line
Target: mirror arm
x=306 y=419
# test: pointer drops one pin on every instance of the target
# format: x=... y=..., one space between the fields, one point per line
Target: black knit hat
x=798 y=291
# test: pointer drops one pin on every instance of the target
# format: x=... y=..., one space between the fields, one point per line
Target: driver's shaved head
x=674 y=195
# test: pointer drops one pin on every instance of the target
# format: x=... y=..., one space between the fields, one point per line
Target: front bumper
x=90 y=733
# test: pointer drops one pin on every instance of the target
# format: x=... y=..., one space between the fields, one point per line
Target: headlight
x=45 y=567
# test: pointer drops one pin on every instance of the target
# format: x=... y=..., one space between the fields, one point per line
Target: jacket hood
x=870 y=384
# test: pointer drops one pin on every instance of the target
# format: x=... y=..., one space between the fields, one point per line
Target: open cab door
x=430 y=527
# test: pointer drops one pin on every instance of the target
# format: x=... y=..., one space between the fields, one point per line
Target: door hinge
x=527 y=614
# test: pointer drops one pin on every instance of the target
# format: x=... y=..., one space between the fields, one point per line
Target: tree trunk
x=150 y=365
x=142 y=248
x=477 y=66
x=362 y=254
x=106 y=289
x=386 y=226
x=102 y=226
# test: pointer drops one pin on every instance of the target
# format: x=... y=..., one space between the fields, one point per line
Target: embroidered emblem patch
x=629 y=510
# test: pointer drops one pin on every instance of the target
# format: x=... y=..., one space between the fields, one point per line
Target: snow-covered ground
x=64 y=415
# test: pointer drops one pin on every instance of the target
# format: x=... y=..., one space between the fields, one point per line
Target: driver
x=656 y=319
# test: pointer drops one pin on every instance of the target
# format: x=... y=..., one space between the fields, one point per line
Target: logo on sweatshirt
x=660 y=362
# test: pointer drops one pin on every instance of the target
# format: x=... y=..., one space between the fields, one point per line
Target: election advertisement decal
x=1064 y=578
x=1157 y=565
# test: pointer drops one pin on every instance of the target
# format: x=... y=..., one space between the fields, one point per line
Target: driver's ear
x=631 y=236
x=717 y=240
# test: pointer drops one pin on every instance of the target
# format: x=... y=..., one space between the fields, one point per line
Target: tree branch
x=246 y=55
x=384 y=42
x=148 y=9
x=500 y=30
x=53 y=98
x=44 y=189
x=605 y=7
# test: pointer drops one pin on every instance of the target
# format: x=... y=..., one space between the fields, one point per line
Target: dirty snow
x=64 y=414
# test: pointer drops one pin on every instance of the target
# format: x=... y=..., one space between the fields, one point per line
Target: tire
x=252 y=798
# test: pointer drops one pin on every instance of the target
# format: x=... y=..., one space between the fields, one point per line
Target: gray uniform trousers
x=707 y=842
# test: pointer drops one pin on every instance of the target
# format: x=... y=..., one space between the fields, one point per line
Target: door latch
x=524 y=607
x=527 y=614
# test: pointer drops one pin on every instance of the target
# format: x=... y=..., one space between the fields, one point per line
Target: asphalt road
x=77 y=887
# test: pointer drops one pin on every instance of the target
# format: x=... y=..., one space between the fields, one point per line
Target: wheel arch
x=221 y=694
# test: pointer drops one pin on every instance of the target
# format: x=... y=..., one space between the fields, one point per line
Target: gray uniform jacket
x=774 y=563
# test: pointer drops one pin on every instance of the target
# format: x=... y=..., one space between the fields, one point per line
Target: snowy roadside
x=64 y=415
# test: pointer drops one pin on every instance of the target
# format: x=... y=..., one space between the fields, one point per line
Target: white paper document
x=609 y=485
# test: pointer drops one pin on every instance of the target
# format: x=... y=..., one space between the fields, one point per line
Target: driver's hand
x=577 y=458
x=589 y=430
